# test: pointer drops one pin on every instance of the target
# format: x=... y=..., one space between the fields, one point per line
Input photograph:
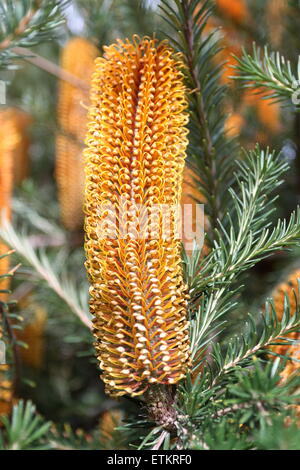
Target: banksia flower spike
x=32 y=332
x=21 y=154
x=78 y=59
x=288 y=288
x=134 y=161
x=9 y=139
x=292 y=369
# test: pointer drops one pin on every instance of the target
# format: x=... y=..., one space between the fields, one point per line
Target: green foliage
x=62 y=285
x=211 y=154
x=278 y=434
x=248 y=239
x=26 y=23
x=270 y=73
x=26 y=429
x=126 y=19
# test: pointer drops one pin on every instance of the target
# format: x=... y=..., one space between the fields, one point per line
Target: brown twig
x=50 y=67
x=19 y=30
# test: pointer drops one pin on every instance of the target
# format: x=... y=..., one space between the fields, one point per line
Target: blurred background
x=47 y=114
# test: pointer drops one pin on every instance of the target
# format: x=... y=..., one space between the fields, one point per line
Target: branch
x=269 y=73
x=27 y=26
x=63 y=288
x=50 y=67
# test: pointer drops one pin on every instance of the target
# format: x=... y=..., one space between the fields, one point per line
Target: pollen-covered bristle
x=136 y=150
x=77 y=59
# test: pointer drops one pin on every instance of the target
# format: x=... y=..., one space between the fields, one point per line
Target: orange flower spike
x=235 y=10
x=33 y=334
x=292 y=366
x=291 y=369
x=234 y=124
x=136 y=150
x=268 y=113
x=9 y=139
x=21 y=155
x=78 y=59
x=290 y=289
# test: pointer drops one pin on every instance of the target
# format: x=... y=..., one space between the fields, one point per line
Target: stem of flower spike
x=160 y=404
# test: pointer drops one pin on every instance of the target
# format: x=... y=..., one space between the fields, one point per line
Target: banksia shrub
x=134 y=161
x=78 y=59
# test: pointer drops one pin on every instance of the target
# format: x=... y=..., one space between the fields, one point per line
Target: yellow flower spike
x=293 y=366
x=21 y=154
x=32 y=332
x=135 y=154
x=78 y=59
x=290 y=289
x=234 y=124
x=9 y=139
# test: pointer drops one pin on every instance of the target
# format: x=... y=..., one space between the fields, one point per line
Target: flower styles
x=135 y=155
